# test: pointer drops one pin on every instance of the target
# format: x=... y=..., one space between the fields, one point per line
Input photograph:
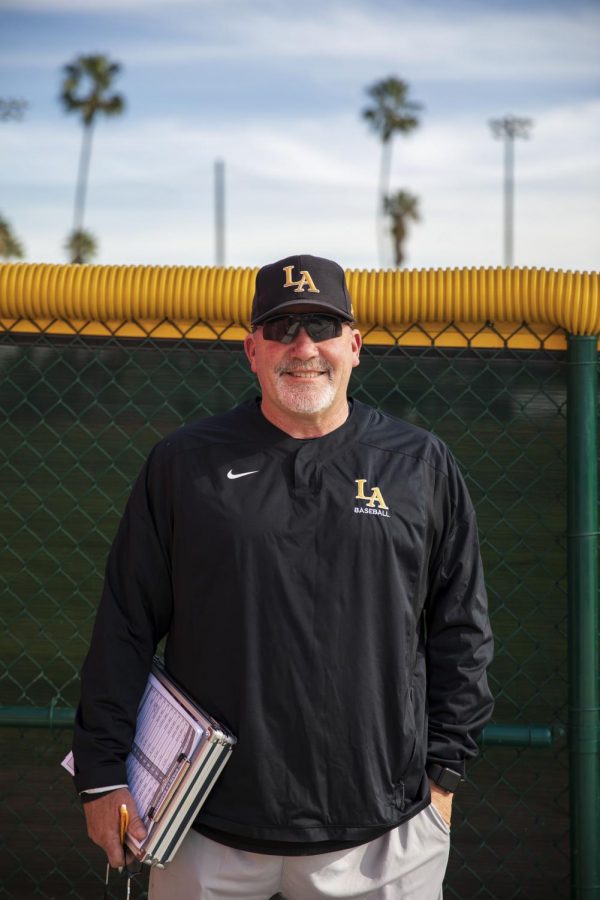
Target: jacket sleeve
x=459 y=638
x=133 y=615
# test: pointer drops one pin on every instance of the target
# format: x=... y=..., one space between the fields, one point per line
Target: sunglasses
x=318 y=327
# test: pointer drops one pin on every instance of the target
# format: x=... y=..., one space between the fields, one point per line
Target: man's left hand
x=442 y=800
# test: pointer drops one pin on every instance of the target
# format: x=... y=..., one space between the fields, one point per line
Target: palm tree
x=99 y=73
x=392 y=113
x=401 y=207
x=81 y=246
x=10 y=247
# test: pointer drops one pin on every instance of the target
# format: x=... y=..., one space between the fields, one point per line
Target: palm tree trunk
x=82 y=177
x=384 y=189
x=399 y=238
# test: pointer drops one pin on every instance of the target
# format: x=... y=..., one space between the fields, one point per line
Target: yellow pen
x=123 y=822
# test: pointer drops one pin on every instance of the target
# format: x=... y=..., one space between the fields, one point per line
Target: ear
x=356 y=345
x=250 y=350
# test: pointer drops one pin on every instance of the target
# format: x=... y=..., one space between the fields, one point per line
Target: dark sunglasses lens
x=285 y=328
x=323 y=328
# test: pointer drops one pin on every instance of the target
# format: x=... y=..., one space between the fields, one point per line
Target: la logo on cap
x=304 y=281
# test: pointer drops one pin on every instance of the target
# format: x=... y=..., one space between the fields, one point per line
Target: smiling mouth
x=306 y=375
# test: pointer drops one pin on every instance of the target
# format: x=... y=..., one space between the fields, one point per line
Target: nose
x=303 y=346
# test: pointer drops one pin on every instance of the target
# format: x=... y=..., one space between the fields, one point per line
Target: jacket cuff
x=88 y=798
x=457 y=765
x=99 y=778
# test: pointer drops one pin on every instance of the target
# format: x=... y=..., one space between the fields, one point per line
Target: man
x=314 y=564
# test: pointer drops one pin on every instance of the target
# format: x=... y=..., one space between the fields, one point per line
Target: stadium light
x=509 y=128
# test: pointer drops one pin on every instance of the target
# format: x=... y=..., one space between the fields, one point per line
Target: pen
x=165 y=789
x=123 y=823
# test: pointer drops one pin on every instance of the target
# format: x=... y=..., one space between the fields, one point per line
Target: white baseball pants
x=407 y=863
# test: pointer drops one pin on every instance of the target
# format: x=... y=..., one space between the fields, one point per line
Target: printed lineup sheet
x=166 y=736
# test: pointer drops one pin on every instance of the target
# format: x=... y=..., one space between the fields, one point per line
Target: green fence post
x=582 y=554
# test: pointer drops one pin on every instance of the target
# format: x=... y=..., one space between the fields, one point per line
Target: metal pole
x=509 y=128
x=509 y=160
x=219 y=212
x=37 y=716
x=582 y=565
x=491 y=736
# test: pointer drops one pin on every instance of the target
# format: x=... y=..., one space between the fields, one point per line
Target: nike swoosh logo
x=231 y=475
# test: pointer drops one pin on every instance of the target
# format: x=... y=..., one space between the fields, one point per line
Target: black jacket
x=323 y=598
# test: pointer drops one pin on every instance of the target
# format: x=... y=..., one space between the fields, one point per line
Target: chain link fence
x=80 y=414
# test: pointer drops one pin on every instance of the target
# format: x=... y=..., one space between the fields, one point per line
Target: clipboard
x=184 y=789
x=178 y=753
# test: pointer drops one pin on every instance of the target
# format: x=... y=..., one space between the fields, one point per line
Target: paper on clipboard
x=165 y=739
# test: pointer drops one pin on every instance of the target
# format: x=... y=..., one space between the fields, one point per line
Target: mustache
x=309 y=365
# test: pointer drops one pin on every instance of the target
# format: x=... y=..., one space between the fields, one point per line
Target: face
x=304 y=379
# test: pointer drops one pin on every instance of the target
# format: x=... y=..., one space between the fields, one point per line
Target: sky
x=276 y=90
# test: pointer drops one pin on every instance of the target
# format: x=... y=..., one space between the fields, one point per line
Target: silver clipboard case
x=174 y=820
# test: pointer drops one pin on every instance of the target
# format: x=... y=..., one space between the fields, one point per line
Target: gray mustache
x=311 y=366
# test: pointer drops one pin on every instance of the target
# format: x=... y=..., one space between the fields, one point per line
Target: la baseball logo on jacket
x=304 y=281
x=375 y=505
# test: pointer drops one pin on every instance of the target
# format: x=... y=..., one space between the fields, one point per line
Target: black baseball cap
x=301 y=284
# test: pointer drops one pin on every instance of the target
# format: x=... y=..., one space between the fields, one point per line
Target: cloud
x=457 y=43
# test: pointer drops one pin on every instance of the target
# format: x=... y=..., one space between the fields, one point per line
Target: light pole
x=509 y=128
x=219 y=212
